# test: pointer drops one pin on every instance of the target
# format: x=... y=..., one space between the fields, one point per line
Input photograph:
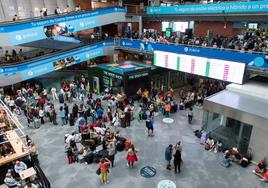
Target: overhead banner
x=229 y=71
x=214 y=8
x=257 y=60
x=19 y=33
x=32 y=69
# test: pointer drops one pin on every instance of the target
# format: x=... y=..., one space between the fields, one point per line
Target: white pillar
x=140 y=25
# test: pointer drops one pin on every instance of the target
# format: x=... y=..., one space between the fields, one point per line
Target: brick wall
x=156 y=25
x=84 y=4
x=217 y=28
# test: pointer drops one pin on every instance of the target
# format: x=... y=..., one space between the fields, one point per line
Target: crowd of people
x=96 y=119
x=253 y=40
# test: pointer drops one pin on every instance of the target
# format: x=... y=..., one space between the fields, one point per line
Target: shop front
x=126 y=76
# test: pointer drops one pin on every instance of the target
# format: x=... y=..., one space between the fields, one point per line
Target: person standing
x=111 y=152
x=104 y=166
x=168 y=156
x=177 y=161
x=132 y=156
x=54 y=115
x=54 y=93
x=66 y=112
x=62 y=116
x=69 y=153
x=190 y=115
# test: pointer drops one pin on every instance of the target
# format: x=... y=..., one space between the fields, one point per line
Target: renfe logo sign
x=214 y=68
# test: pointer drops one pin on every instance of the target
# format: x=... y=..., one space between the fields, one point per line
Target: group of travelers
x=177 y=159
x=252 y=40
x=97 y=117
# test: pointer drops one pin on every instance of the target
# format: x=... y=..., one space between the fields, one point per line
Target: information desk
x=17 y=145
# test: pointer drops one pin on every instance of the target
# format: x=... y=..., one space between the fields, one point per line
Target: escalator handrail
x=51 y=54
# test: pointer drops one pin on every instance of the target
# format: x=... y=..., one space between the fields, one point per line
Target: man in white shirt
x=10 y=181
x=77 y=8
x=20 y=166
x=67 y=9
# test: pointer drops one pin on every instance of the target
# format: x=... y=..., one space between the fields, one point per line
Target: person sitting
x=226 y=160
x=86 y=153
x=10 y=181
x=260 y=169
x=265 y=177
x=209 y=144
x=217 y=147
x=20 y=166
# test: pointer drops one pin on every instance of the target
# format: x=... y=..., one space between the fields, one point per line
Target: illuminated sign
x=110 y=74
x=138 y=75
x=213 y=68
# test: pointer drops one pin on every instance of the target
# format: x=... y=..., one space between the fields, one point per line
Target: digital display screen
x=229 y=71
x=180 y=26
x=165 y=25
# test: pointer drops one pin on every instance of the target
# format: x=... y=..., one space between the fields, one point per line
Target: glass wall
x=231 y=132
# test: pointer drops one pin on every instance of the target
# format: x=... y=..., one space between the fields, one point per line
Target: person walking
x=132 y=156
x=177 y=161
x=168 y=156
x=104 y=166
x=150 y=127
x=190 y=115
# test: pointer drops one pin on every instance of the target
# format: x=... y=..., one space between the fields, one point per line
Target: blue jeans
x=63 y=120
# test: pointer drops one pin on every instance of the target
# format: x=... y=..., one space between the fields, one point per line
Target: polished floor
x=201 y=169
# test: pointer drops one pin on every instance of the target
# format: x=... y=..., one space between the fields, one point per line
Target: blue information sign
x=214 y=8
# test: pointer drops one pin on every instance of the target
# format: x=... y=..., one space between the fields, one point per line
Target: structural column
x=140 y=25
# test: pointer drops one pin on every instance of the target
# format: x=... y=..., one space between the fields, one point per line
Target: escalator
x=32 y=68
x=30 y=30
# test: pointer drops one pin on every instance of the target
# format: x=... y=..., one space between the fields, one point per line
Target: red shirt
x=104 y=166
x=265 y=175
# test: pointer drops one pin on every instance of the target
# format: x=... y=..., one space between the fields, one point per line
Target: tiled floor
x=201 y=169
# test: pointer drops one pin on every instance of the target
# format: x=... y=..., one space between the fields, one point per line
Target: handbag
x=98 y=172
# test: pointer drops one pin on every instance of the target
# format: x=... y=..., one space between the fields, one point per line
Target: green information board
x=168 y=32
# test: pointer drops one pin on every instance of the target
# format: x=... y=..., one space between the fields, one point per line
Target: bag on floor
x=104 y=118
x=98 y=172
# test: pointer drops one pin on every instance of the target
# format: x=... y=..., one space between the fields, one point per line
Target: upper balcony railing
x=40 y=18
x=234 y=7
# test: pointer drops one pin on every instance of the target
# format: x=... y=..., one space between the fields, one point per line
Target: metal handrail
x=12 y=117
x=50 y=54
x=117 y=45
x=195 y=46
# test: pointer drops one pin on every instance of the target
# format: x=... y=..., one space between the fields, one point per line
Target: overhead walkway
x=233 y=11
x=228 y=65
x=30 y=30
x=32 y=68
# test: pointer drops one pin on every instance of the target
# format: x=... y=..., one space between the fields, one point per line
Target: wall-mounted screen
x=165 y=25
x=180 y=26
x=229 y=71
